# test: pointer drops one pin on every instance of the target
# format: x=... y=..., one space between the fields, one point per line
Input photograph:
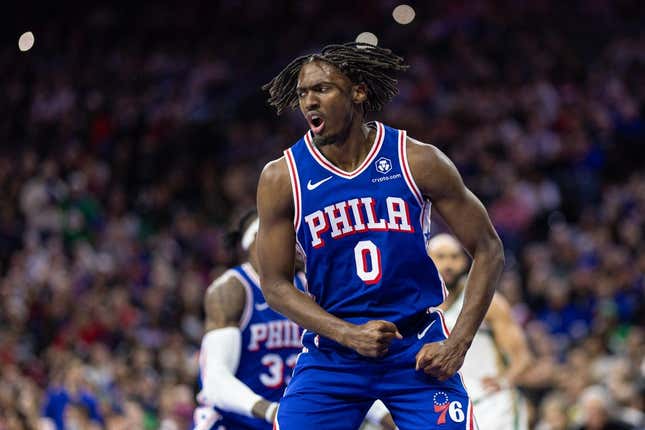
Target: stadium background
x=131 y=137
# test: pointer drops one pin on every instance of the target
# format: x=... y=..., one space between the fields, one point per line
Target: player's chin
x=324 y=138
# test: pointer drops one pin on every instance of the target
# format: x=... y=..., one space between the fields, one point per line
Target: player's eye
x=302 y=93
x=320 y=88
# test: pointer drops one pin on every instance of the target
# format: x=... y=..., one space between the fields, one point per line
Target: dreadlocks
x=360 y=62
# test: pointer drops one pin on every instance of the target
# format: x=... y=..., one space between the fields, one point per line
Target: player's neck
x=253 y=260
x=350 y=152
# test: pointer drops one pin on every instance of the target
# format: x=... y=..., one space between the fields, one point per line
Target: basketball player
x=248 y=350
x=499 y=340
x=355 y=198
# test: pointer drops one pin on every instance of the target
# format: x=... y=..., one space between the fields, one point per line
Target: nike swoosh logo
x=423 y=333
x=313 y=186
x=261 y=306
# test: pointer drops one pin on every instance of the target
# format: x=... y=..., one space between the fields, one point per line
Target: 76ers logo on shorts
x=383 y=165
x=443 y=406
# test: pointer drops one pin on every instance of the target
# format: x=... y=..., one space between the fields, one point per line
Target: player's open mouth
x=316 y=123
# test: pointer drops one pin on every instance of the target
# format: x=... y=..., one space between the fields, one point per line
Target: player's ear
x=359 y=93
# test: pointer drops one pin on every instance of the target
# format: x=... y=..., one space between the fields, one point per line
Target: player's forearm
x=284 y=298
x=223 y=390
x=220 y=352
x=520 y=363
x=488 y=262
x=228 y=393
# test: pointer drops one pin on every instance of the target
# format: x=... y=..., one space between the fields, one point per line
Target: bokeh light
x=368 y=38
x=26 y=41
x=403 y=14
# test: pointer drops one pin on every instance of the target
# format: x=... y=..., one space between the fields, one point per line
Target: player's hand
x=373 y=338
x=493 y=385
x=441 y=359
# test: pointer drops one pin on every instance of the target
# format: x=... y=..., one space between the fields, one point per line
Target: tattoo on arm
x=224 y=304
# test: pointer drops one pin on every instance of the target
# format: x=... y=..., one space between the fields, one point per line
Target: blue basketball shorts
x=332 y=389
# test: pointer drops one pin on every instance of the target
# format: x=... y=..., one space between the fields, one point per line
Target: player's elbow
x=527 y=363
x=527 y=360
x=270 y=291
x=498 y=253
x=493 y=251
x=279 y=295
x=211 y=397
x=522 y=362
x=272 y=299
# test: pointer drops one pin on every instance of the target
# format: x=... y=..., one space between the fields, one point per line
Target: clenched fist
x=373 y=338
x=441 y=359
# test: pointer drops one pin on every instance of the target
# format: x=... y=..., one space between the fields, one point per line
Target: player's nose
x=311 y=101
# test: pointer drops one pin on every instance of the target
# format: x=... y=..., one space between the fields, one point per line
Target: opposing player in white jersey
x=499 y=352
x=248 y=350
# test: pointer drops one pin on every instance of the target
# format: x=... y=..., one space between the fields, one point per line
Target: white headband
x=249 y=234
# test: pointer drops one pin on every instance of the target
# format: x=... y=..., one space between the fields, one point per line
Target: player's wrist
x=459 y=343
x=505 y=381
x=270 y=413
x=346 y=334
x=264 y=409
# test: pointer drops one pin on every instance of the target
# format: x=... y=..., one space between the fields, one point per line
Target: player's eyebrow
x=304 y=87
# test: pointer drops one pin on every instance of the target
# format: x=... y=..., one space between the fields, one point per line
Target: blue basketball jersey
x=270 y=347
x=363 y=233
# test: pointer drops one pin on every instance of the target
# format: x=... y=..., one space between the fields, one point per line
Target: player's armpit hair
x=224 y=303
x=361 y=63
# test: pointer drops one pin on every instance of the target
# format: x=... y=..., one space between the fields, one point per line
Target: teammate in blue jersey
x=355 y=198
x=248 y=350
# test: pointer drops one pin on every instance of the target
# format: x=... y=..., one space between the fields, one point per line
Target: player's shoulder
x=275 y=172
x=423 y=153
x=227 y=280
x=432 y=170
x=416 y=150
x=225 y=300
x=275 y=189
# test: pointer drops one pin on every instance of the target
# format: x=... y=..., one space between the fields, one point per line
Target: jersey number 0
x=368 y=262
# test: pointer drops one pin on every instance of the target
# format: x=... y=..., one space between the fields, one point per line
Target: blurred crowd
x=133 y=138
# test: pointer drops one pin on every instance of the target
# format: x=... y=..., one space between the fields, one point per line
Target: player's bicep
x=276 y=251
x=224 y=304
x=276 y=235
x=439 y=179
x=466 y=216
